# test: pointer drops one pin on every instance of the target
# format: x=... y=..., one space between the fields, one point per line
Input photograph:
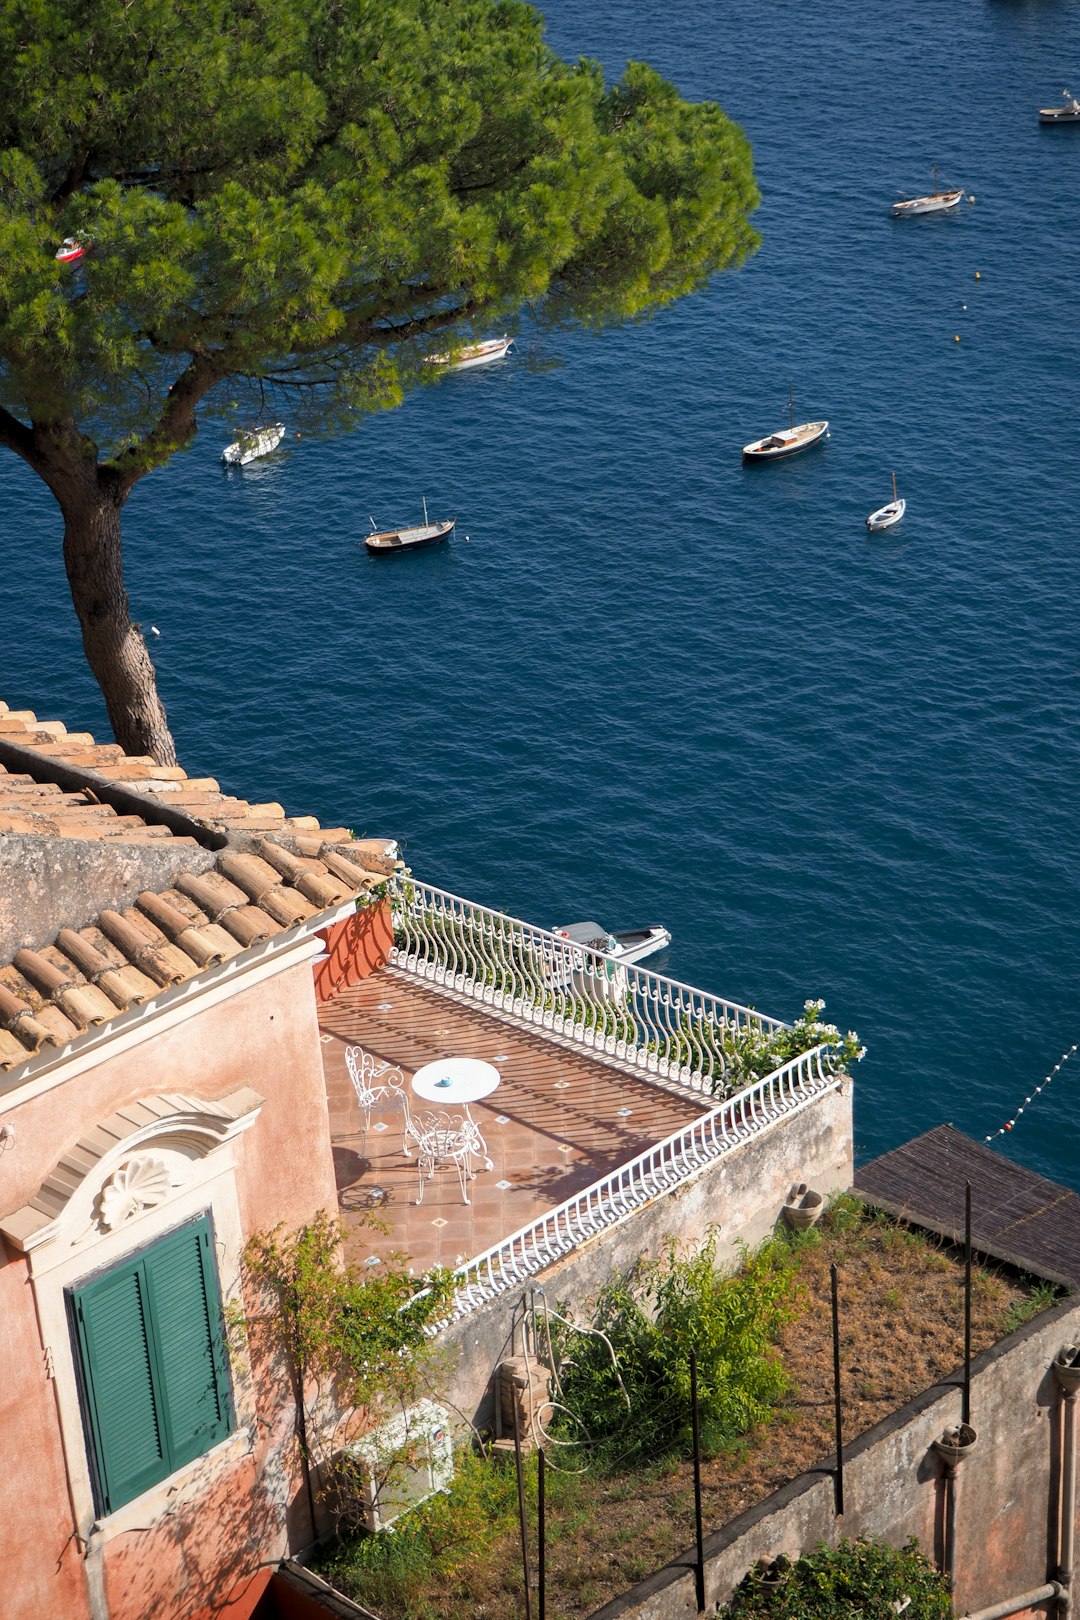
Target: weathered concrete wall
x=740 y=1195
x=207 y=1550
x=1007 y=1490
x=51 y=883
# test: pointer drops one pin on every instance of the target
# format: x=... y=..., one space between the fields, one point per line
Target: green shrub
x=625 y=1385
x=859 y=1580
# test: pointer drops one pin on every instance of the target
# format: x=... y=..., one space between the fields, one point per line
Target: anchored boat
x=886 y=516
x=473 y=354
x=252 y=443
x=1069 y=113
x=936 y=202
x=629 y=945
x=383 y=541
x=788 y=441
x=70 y=251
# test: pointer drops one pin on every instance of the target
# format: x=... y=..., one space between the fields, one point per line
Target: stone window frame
x=150 y=1168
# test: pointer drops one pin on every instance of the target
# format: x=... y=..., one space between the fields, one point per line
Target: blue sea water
x=656 y=685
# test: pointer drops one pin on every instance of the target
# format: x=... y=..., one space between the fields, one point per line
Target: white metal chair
x=441 y=1139
x=364 y=1069
x=395 y=1085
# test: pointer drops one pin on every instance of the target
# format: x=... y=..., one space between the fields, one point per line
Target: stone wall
x=51 y=883
x=1006 y=1491
x=739 y=1194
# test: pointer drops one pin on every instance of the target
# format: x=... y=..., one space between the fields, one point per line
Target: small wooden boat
x=70 y=251
x=886 y=516
x=787 y=441
x=1069 y=113
x=381 y=542
x=936 y=203
x=473 y=354
x=252 y=443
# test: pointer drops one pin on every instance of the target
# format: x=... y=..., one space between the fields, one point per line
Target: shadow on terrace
x=615 y=1088
x=559 y=1121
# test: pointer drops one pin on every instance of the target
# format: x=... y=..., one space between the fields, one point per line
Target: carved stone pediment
x=105 y=1181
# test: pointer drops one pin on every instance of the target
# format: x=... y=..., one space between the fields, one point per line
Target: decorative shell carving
x=139 y=1184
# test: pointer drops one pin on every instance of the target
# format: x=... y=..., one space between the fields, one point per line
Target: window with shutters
x=154 y=1371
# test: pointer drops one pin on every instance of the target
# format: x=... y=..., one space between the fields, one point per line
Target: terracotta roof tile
x=60 y=785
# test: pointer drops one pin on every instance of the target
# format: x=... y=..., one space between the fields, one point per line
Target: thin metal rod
x=699 y=1566
x=838 y=1477
x=541 y=1535
x=521 y=1510
x=965 y=1408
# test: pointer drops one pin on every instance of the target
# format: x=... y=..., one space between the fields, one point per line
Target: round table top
x=456 y=1080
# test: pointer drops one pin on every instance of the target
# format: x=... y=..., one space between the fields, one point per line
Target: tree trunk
x=114 y=647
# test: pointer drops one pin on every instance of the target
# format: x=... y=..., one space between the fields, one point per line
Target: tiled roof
x=36 y=806
x=271 y=873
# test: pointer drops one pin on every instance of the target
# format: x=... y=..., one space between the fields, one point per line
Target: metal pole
x=838 y=1478
x=1068 y=1503
x=541 y=1537
x=699 y=1567
x=965 y=1409
x=521 y=1511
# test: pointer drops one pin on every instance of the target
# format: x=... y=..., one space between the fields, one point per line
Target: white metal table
x=459 y=1080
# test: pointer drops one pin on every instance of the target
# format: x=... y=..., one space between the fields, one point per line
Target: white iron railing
x=659 y=1170
x=652 y=1022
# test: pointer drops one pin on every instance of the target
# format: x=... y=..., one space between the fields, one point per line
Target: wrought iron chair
x=400 y=1092
x=441 y=1139
x=364 y=1069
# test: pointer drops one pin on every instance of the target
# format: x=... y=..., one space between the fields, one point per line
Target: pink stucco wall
x=214 y=1555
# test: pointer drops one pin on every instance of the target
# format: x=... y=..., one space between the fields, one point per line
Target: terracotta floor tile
x=406 y=1023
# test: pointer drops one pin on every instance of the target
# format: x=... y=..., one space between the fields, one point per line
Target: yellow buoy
x=956 y=339
x=978 y=277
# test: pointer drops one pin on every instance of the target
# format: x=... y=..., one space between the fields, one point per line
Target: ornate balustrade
x=651 y=1022
x=645 y=1020
x=658 y=1170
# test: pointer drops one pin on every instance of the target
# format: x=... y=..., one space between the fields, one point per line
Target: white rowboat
x=886 y=516
x=473 y=354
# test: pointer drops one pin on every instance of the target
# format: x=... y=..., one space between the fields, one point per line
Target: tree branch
x=175 y=426
x=15 y=436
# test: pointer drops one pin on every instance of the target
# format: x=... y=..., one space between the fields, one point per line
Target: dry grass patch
x=902 y=1331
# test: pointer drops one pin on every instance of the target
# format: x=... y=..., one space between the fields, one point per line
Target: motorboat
x=626 y=946
x=1068 y=113
x=886 y=516
x=473 y=354
x=936 y=202
x=70 y=251
x=381 y=542
x=252 y=443
x=787 y=441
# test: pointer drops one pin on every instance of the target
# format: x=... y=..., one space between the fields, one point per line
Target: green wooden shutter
x=155 y=1376
x=111 y=1321
x=187 y=1323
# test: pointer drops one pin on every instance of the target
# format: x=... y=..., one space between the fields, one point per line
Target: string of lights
x=1009 y=1123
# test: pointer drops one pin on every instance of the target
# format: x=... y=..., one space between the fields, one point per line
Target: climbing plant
x=354 y=1342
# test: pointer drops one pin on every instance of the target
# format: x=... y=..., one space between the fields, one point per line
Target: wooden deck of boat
x=1016 y=1216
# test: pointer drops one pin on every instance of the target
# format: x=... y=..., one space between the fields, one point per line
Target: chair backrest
x=364 y=1069
x=394 y=1081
